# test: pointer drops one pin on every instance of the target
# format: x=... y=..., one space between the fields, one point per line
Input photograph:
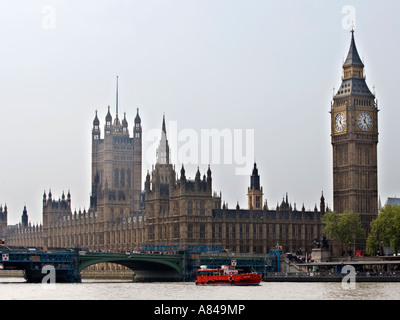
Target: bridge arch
x=146 y=267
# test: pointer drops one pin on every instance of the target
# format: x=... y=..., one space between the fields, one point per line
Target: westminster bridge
x=67 y=264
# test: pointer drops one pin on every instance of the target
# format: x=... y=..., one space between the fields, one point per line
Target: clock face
x=364 y=121
x=340 y=122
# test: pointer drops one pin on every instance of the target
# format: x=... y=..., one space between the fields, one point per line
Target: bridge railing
x=180 y=248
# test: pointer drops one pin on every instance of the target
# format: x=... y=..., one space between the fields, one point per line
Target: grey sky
x=260 y=65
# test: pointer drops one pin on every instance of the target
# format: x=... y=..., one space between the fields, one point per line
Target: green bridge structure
x=154 y=263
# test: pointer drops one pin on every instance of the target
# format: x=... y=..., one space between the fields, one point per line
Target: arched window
x=190 y=207
x=202 y=208
x=128 y=177
x=190 y=231
x=122 y=182
x=116 y=175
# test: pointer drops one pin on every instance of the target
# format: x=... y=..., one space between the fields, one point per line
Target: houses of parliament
x=170 y=209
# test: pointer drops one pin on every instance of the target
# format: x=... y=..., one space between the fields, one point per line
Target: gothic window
x=176 y=231
x=258 y=202
x=190 y=231
x=116 y=174
x=122 y=178
x=128 y=177
x=202 y=208
x=160 y=232
x=202 y=231
x=190 y=207
x=151 y=232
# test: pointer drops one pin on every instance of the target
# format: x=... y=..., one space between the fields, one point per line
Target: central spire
x=163 y=148
x=353 y=58
x=163 y=125
x=116 y=104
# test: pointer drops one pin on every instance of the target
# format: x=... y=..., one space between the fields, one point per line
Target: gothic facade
x=182 y=212
x=115 y=211
x=176 y=211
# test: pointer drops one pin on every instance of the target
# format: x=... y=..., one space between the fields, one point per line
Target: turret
x=255 y=179
x=137 y=129
x=137 y=159
x=147 y=183
x=3 y=213
x=125 y=125
x=107 y=127
x=322 y=204
x=24 y=218
x=96 y=128
x=255 y=192
x=183 y=176
x=3 y=221
x=69 y=198
x=209 y=179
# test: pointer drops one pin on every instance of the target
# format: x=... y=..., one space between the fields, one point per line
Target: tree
x=344 y=227
x=385 y=230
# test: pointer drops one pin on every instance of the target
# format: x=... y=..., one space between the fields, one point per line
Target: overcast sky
x=256 y=70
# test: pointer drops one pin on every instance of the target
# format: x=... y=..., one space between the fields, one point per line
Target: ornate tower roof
x=353 y=58
x=96 y=120
x=353 y=80
x=124 y=121
x=255 y=179
x=24 y=218
x=137 y=118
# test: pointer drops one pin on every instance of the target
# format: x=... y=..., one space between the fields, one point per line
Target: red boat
x=226 y=275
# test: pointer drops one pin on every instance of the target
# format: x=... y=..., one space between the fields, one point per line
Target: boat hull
x=249 y=279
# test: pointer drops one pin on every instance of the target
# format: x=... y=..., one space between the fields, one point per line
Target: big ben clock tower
x=354 y=133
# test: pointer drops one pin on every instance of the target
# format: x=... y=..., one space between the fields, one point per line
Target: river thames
x=14 y=288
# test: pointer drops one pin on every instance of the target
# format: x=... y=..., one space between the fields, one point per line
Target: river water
x=14 y=288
